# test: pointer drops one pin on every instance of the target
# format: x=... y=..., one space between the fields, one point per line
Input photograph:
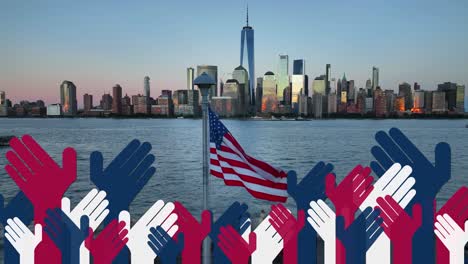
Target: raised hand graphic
x=452 y=236
x=269 y=243
x=456 y=207
x=194 y=232
x=311 y=188
x=22 y=239
x=399 y=227
x=20 y=207
x=323 y=220
x=359 y=236
x=108 y=243
x=159 y=214
x=234 y=216
x=65 y=234
x=94 y=206
x=164 y=245
x=395 y=147
x=234 y=246
x=396 y=182
x=288 y=227
x=348 y=196
x=43 y=181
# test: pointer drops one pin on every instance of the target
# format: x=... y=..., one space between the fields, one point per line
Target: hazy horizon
x=97 y=45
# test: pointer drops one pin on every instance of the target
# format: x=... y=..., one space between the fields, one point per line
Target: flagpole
x=204 y=83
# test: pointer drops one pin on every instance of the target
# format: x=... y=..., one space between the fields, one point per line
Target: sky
x=97 y=44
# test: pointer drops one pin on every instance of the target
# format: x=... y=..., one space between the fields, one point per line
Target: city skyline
x=42 y=52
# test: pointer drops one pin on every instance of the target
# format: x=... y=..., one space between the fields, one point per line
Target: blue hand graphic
x=311 y=188
x=20 y=207
x=396 y=147
x=65 y=234
x=164 y=246
x=123 y=179
x=360 y=235
x=235 y=216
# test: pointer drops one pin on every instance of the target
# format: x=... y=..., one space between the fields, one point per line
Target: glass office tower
x=247 y=58
x=283 y=78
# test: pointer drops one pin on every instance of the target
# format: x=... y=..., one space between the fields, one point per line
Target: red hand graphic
x=235 y=247
x=107 y=245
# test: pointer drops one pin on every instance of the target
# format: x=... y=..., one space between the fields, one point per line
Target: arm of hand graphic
x=94 y=206
x=159 y=214
x=65 y=234
x=399 y=227
x=194 y=232
x=323 y=220
x=288 y=227
x=396 y=182
x=108 y=243
x=452 y=236
x=22 y=239
x=234 y=246
x=235 y=216
x=164 y=245
x=395 y=147
x=456 y=207
x=269 y=243
x=360 y=235
x=124 y=177
x=311 y=188
x=20 y=207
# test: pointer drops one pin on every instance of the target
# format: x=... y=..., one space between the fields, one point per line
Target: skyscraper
x=247 y=58
x=147 y=93
x=319 y=85
x=212 y=71
x=2 y=98
x=450 y=90
x=327 y=79
x=117 y=99
x=68 y=98
x=3 y=104
x=269 y=100
x=241 y=75
x=190 y=74
x=404 y=89
x=87 y=102
x=106 y=102
x=461 y=98
x=283 y=78
x=299 y=67
x=298 y=83
x=375 y=78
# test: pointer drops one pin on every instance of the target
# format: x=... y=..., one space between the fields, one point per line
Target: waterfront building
x=439 y=104
x=404 y=89
x=224 y=106
x=380 y=103
x=3 y=104
x=369 y=88
x=241 y=75
x=460 y=101
x=68 y=98
x=258 y=95
x=54 y=110
x=283 y=79
x=106 y=102
x=375 y=78
x=193 y=99
x=212 y=71
x=450 y=90
x=234 y=90
x=327 y=79
x=369 y=105
x=319 y=85
x=317 y=104
x=331 y=103
x=87 y=102
x=127 y=107
x=399 y=104
x=190 y=76
x=304 y=105
x=269 y=100
x=418 y=102
x=427 y=101
x=351 y=91
x=247 y=55
x=140 y=104
x=117 y=99
x=390 y=98
x=416 y=86
x=299 y=83
x=361 y=101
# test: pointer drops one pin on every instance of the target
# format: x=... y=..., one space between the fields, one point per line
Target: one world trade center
x=247 y=56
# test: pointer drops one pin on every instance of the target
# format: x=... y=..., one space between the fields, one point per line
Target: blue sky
x=97 y=44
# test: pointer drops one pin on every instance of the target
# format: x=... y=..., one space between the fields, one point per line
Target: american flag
x=229 y=162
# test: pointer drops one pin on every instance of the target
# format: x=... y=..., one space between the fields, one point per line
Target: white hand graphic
x=453 y=237
x=269 y=243
x=159 y=214
x=22 y=239
x=396 y=182
x=323 y=220
x=94 y=205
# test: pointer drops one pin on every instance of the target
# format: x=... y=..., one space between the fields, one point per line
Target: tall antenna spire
x=247 y=14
